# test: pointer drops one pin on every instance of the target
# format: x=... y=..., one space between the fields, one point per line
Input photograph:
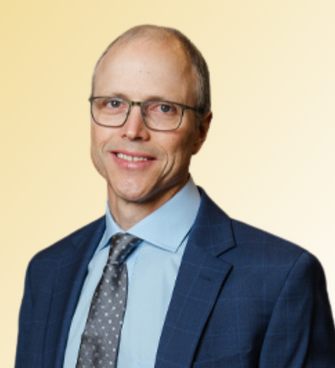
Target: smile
x=130 y=158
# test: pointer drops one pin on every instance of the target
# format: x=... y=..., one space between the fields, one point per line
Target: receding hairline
x=149 y=33
x=145 y=33
x=170 y=36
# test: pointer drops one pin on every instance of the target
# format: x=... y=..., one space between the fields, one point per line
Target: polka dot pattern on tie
x=100 y=339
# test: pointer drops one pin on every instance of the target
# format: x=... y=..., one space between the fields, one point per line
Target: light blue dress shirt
x=152 y=271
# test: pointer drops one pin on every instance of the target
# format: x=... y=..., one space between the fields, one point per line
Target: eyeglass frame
x=141 y=103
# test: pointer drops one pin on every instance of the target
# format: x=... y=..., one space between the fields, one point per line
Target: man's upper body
x=153 y=266
x=204 y=290
x=242 y=298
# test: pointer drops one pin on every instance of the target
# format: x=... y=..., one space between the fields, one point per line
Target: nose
x=134 y=127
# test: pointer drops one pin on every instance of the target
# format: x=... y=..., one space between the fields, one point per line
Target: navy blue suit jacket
x=243 y=298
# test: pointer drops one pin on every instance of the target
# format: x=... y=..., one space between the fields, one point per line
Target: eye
x=113 y=103
x=165 y=108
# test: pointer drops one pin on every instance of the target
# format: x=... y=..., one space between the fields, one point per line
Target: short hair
x=203 y=95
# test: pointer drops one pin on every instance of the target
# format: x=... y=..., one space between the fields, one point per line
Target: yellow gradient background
x=269 y=159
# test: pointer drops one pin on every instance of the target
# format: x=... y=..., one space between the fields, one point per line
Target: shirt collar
x=166 y=227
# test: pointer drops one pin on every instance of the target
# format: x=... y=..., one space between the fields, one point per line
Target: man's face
x=141 y=71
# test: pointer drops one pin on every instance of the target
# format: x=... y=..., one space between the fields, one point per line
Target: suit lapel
x=71 y=275
x=200 y=279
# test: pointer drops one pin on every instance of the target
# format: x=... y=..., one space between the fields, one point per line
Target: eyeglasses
x=157 y=115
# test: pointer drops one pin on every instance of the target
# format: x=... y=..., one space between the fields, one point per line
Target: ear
x=202 y=131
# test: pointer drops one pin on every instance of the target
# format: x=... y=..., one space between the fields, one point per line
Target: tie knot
x=121 y=246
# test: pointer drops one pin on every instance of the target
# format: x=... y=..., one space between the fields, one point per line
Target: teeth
x=131 y=158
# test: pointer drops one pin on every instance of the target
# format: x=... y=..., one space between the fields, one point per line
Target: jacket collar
x=212 y=230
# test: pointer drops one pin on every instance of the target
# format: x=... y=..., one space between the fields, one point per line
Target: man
x=196 y=288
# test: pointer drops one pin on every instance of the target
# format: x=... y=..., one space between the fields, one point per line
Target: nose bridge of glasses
x=139 y=104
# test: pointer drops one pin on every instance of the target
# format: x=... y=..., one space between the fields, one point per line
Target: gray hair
x=203 y=95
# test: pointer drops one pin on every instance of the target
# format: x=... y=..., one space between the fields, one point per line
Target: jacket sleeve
x=25 y=318
x=301 y=331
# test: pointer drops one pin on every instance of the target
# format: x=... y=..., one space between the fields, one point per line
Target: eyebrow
x=126 y=97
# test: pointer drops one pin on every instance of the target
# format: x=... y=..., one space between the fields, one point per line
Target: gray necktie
x=100 y=339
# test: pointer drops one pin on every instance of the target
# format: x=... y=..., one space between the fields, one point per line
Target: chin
x=129 y=192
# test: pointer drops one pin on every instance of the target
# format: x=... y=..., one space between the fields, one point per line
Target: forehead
x=145 y=67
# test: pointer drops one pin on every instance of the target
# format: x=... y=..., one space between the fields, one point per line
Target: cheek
x=97 y=160
x=98 y=141
x=95 y=147
x=179 y=151
x=100 y=136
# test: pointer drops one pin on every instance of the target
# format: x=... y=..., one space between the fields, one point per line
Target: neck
x=128 y=213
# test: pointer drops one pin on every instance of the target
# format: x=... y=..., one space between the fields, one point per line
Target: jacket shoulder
x=61 y=247
x=245 y=241
x=248 y=234
x=262 y=246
